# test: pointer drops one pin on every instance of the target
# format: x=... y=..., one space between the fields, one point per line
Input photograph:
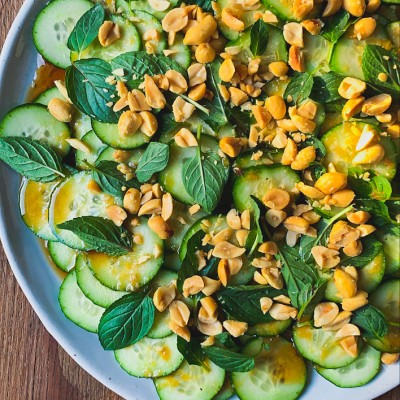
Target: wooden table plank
x=32 y=365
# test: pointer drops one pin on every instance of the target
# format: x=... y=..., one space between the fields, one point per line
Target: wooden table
x=32 y=364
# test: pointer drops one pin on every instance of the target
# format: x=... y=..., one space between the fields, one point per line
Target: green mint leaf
x=377 y=60
x=243 y=302
x=229 y=360
x=204 y=4
x=299 y=88
x=34 y=160
x=86 y=29
x=100 y=234
x=325 y=88
x=377 y=188
x=371 y=321
x=317 y=144
x=126 y=321
x=192 y=351
x=89 y=91
x=153 y=160
x=371 y=248
x=310 y=295
x=336 y=26
x=259 y=35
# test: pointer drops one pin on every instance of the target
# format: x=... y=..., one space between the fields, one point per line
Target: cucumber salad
x=218 y=180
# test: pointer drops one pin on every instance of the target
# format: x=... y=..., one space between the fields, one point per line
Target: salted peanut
x=342 y=198
x=290 y=153
x=132 y=201
x=209 y=304
x=200 y=33
x=167 y=206
x=269 y=247
x=61 y=110
x=276 y=198
x=205 y=53
x=224 y=92
x=278 y=68
x=149 y=124
x=212 y=329
x=377 y=105
x=185 y=138
x=78 y=145
x=370 y=155
x=276 y=106
x=261 y=114
x=307 y=110
x=332 y=7
x=182 y=110
x=175 y=20
x=235 y=265
x=352 y=107
x=137 y=101
x=122 y=90
x=355 y=302
x=241 y=236
x=353 y=249
x=293 y=34
x=193 y=285
x=364 y=28
x=349 y=345
x=253 y=65
x=303 y=124
x=154 y=97
x=177 y=83
x=163 y=297
x=352 y=271
x=258 y=278
x=351 y=88
x=348 y=330
x=372 y=5
x=238 y=96
x=156 y=190
x=109 y=33
x=161 y=81
x=280 y=139
x=60 y=85
x=358 y=217
x=159 y=5
x=160 y=227
x=282 y=312
x=179 y=312
x=197 y=74
x=235 y=328
x=312 y=26
x=331 y=182
x=345 y=284
x=296 y=224
x=146 y=188
x=182 y=331
x=232 y=146
x=275 y=217
x=355 y=7
x=117 y=214
x=310 y=192
x=302 y=7
x=233 y=219
x=390 y=358
x=198 y=92
x=343 y=234
x=223 y=271
x=325 y=313
x=150 y=207
x=210 y=286
x=246 y=219
x=324 y=257
x=121 y=104
x=394 y=131
x=94 y=187
x=365 y=229
x=222 y=236
x=121 y=156
x=264 y=262
x=304 y=158
x=231 y=19
x=282 y=299
x=368 y=134
x=296 y=59
x=342 y=319
x=205 y=317
x=266 y=304
x=273 y=276
x=225 y=250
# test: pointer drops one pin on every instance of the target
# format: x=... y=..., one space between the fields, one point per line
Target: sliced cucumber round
x=63 y=256
x=316 y=52
x=358 y=373
x=370 y=276
x=150 y=358
x=77 y=307
x=268 y=157
x=191 y=382
x=272 y=328
x=387 y=299
x=390 y=343
x=279 y=372
x=53 y=27
x=391 y=248
x=134 y=156
x=181 y=53
x=81 y=125
x=95 y=145
x=144 y=5
x=227 y=390
x=285 y=9
x=34 y=121
x=49 y=94
x=34 y=201
x=393 y=31
x=133 y=270
x=321 y=347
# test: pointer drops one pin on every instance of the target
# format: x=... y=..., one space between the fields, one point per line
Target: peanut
x=149 y=123
x=205 y=53
x=109 y=33
x=351 y=88
x=370 y=155
x=377 y=105
x=117 y=214
x=235 y=328
x=352 y=107
x=276 y=199
x=232 y=146
x=175 y=20
x=230 y=19
x=132 y=201
x=160 y=227
x=355 y=7
x=276 y=106
x=61 y=110
x=331 y=182
x=345 y=284
x=200 y=33
x=364 y=28
x=177 y=83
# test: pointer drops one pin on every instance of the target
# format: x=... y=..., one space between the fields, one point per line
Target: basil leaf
x=153 y=160
x=377 y=60
x=100 y=234
x=229 y=360
x=371 y=248
x=243 y=302
x=259 y=35
x=126 y=321
x=377 y=188
x=299 y=88
x=336 y=26
x=204 y=4
x=86 y=29
x=32 y=159
x=192 y=351
x=371 y=321
x=89 y=91
x=325 y=88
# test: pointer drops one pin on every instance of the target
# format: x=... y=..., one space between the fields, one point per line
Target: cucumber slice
x=81 y=125
x=272 y=328
x=53 y=27
x=390 y=343
x=316 y=52
x=340 y=143
x=34 y=121
x=95 y=145
x=62 y=255
x=245 y=275
x=391 y=248
x=108 y=134
x=172 y=261
x=279 y=373
x=321 y=347
x=144 y=5
x=133 y=270
x=92 y=288
x=49 y=94
x=285 y=9
x=130 y=40
x=191 y=382
x=268 y=157
x=150 y=358
x=34 y=201
x=182 y=54
x=256 y=181
x=358 y=373
x=227 y=390
x=370 y=276
x=387 y=299
x=134 y=156
x=78 y=308
x=276 y=87
x=73 y=199
x=393 y=31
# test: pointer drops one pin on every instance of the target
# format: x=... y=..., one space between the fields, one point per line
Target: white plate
x=39 y=281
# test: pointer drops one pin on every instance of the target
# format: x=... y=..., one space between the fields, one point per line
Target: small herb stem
x=195 y=103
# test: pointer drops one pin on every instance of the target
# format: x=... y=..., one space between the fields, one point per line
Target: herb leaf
x=204 y=4
x=126 y=321
x=371 y=320
x=259 y=35
x=192 y=351
x=310 y=295
x=89 y=91
x=299 y=87
x=86 y=29
x=377 y=188
x=371 y=248
x=325 y=88
x=32 y=159
x=229 y=360
x=100 y=234
x=336 y=26
x=153 y=160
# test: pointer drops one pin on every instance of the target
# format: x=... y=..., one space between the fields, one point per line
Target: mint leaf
x=310 y=295
x=377 y=188
x=229 y=360
x=100 y=234
x=316 y=143
x=153 y=160
x=299 y=88
x=34 y=160
x=126 y=321
x=371 y=248
x=88 y=90
x=86 y=29
x=336 y=26
x=325 y=88
x=204 y=4
x=192 y=351
x=259 y=35
x=371 y=321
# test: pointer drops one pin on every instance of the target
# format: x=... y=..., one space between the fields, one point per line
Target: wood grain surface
x=32 y=364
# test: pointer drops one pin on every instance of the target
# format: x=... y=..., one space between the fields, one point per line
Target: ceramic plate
x=40 y=282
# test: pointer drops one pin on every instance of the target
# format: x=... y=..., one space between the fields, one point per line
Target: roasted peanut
x=352 y=107
x=61 y=110
x=205 y=53
x=377 y=105
x=116 y=214
x=355 y=7
x=345 y=284
x=230 y=19
x=351 y=88
x=370 y=155
x=160 y=227
x=331 y=182
x=276 y=199
x=200 y=33
x=109 y=33
x=364 y=28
